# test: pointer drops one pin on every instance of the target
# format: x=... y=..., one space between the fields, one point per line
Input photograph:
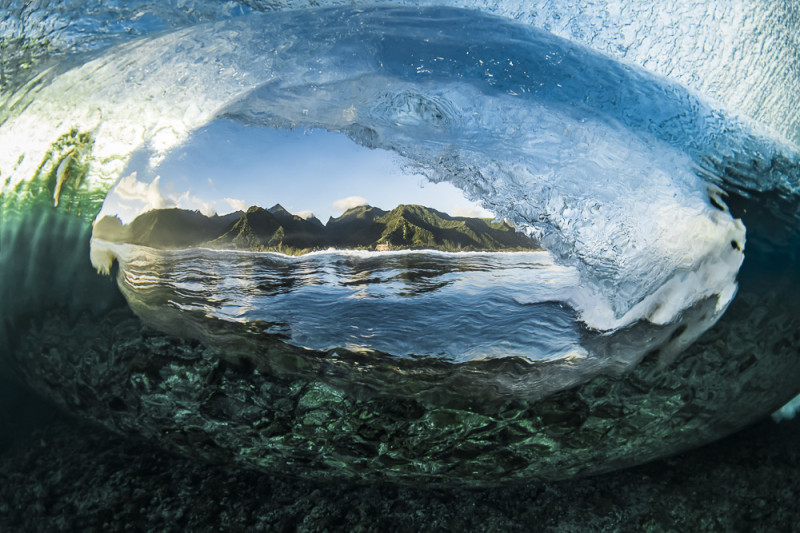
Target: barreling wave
x=648 y=327
x=619 y=173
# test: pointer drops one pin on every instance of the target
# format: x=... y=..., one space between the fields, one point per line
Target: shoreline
x=330 y=251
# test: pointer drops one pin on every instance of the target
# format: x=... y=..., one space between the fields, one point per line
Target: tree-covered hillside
x=275 y=229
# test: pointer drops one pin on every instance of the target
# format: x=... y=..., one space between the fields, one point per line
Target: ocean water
x=662 y=315
x=453 y=306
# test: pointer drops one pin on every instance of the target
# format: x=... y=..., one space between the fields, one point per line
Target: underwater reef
x=67 y=475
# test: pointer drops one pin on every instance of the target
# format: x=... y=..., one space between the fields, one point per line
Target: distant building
x=385 y=247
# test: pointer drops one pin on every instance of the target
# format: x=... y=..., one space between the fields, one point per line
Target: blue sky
x=227 y=166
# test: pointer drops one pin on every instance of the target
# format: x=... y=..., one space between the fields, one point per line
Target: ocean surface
x=454 y=306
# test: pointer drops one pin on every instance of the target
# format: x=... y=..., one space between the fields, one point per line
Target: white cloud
x=131 y=197
x=470 y=211
x=193 y=203
x=304 y=214
x=237 y=205
x=131 y=189
x=348 y=203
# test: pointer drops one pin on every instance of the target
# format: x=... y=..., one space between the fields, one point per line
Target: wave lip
x=543 y=132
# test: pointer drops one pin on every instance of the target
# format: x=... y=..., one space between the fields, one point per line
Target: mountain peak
x=419 y=209
x=278 y=209
x=358 y=209
x=407 y=226
x=314 y=220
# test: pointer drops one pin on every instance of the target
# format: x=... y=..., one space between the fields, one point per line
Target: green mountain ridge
x=275 y=229
x=166 y=228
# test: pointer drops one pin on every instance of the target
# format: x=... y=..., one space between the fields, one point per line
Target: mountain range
x=275 y=229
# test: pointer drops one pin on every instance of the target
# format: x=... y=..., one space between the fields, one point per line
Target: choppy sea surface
x=455 y=306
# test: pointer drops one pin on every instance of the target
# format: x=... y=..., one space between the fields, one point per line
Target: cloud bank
x=305 y=215
x=236 y=205
x=350 y=202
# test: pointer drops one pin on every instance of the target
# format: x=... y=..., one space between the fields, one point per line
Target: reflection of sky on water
x=227 y=166
x=457 y=305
